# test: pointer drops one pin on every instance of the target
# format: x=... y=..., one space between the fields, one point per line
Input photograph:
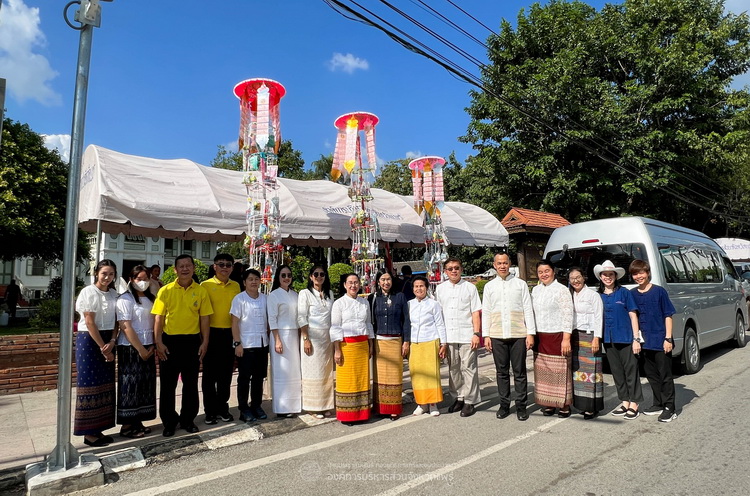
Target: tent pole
x=329 y=256
x=388 y=258
x=98 y=241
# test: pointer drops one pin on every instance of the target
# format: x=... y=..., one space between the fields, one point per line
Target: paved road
x=704 y=451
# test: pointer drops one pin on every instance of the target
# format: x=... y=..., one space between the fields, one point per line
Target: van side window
x=703 y=265
x=673 y=264
x=728 y=267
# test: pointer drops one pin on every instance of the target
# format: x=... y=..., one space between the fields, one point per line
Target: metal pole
x=64 y=454
x=98 y=241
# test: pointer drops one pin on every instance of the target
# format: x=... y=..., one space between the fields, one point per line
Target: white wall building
x=126 y=251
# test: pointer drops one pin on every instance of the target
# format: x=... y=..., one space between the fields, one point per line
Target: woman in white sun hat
x=620 y=338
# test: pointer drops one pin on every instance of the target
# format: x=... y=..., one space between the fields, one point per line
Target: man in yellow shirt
x=181 y=333
x=218 y=364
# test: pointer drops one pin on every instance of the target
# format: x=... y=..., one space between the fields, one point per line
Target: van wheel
x=739 y=332
x=691 y=352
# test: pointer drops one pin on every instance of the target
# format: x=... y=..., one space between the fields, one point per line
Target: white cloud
x=413 y=154
x=328 y=145
x=347 y=63
x=232 y=146
x=28 y=74
x=59 y=142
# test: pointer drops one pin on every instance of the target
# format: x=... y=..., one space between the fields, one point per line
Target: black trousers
x=507 y=353
x=624 y=367
x=218 y=366
x=658 y=368
x=252 y=368
x=182 y=361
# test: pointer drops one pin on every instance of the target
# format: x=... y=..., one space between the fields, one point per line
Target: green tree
x=395 y=176
x=644 y=83
x=335 y=272
x=291 y=163
x=33 y=195
x=321 y=168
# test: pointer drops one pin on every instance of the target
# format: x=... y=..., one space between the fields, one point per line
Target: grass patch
x=21 y=327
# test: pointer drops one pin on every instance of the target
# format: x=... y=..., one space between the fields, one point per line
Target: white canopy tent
x=737 y=249
x=182 y=199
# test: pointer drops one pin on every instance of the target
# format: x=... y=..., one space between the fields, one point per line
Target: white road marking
x=226 y=472
x=435 y=474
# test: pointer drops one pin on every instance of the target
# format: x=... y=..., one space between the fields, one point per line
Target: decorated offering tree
x=429 y=200
x=347 y=164
x=259 y=141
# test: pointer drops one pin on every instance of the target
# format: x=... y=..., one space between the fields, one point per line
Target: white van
x=699 y=277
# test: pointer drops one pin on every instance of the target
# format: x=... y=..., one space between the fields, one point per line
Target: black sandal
x=563 y=414
x=548 y=412
x=133 y=433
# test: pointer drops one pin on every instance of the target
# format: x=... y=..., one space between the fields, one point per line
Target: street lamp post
x=64 y=454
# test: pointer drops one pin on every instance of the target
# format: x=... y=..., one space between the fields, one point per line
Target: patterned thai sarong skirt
x=353 y=380
x=95 y=387
x=389 y=373
x=424 y=368
x=317 y=372
x=553 y=382
x=136 y=386
x=588 y=381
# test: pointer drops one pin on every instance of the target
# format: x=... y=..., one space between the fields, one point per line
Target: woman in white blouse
x=588 y=382
x=286 y=375
x=95 y=359
x=428 y=347
x=352 y=336
x=314 y=320
x=136 y=377
x=553 y=313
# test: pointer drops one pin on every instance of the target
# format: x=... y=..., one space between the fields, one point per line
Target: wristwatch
x=236 y=343
x=669 y=340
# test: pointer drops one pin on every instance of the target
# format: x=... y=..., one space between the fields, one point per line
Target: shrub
x=300 y=266
x=335 y=272
x=54 y=288
x=48 y=314
x=480 y=287
x=201 y=270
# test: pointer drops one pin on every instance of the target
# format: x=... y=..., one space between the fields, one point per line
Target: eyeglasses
x=224 y=265
x=452 y=268
x=319 y=274
x=285 y=276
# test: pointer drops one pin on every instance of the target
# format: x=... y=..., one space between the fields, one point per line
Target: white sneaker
x=434 y=410
x=418 y=410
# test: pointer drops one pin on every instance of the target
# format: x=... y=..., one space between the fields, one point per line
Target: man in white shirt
x=508 y=328
x=461 y=312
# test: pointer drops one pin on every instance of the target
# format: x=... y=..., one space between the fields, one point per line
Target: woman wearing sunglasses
x=314 y=320
x=286 y=375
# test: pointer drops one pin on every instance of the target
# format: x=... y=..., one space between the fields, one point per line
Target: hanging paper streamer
x=259 y=141
x=347 y=164
x=429 y=200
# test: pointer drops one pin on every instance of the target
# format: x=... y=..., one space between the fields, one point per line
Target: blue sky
x=162 y=73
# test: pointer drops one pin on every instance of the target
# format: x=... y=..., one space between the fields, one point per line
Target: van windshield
x=587 y=257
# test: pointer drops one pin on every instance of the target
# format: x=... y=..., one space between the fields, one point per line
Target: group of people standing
x=566 y=327
x=304 y=335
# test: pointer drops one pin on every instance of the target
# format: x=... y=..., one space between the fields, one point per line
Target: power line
x=467 y=76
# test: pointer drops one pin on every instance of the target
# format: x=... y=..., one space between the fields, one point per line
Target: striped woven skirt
x=136 y=386
x=389 y=373
x=95 y=387
x=353 y=381
x=424 y=368
x=553 y=382
x=588 y=381
x=317 y=372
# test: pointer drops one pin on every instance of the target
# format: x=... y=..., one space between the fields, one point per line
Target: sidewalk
x=28 y=430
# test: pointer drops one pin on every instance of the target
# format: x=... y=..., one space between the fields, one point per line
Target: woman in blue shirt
x=620 y=338
x=390 y=320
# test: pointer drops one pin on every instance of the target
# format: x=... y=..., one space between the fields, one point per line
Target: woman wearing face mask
x=286 y=374
x=553 y=313
x=136 y=377
x=390 y=319
x=95 y=359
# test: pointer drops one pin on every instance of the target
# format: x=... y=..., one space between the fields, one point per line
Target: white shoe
x=434 y=410
x=418 y=410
